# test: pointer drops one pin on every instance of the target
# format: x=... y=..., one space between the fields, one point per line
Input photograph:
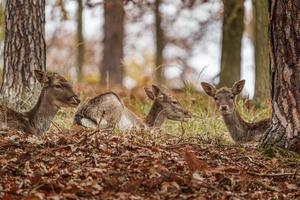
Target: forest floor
x=101 y=165
x=196 y=160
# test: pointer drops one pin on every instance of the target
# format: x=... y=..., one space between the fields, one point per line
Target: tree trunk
x=261 y=46
x=1 y=22
x=233 y=28
x=24 y=47
x=284 y=74
x=1 y=37
x=160 y=45
x=111 y=66
x=80 y=41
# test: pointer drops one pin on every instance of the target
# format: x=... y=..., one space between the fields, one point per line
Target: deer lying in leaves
x=56 y=93
x=240 y=130
x=107 y=111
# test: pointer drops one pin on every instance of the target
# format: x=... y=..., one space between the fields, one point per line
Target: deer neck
x=156 y=116
x=236 y=125
x=42 y=113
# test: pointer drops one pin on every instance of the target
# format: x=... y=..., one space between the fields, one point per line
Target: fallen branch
x=266 y=186
x=56 y=126
x=252 y=161
x=271 y=175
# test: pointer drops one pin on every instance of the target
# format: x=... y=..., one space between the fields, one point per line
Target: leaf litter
x=85 y=164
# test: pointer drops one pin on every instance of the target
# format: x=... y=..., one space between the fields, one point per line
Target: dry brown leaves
x=99 y=165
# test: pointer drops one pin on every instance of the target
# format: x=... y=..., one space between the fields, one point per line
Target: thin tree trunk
x=1 y=22
x=1 y=37
x=24 y=47
x=111 y=67
x=160 y=44
x=261 y=46
x=284 y=74
x=80 y=41
x=233 y=28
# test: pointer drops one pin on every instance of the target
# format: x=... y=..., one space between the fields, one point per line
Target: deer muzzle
x=187 y=115
x=224 y=108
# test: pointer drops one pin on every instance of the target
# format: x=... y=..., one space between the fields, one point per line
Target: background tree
x=1 y=37
x=261 y=46
x=284 y=74
x=233 y=27
x=111 y=67
x=159 y=43
x=1 y=22
x=24 y=46
x=80 y=41
x=182 y=46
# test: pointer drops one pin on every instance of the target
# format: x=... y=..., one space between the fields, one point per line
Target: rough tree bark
x=284 y=74
x=233 y=28
x=111 y=67
x=24 y=47
x=261 y=46
x=80 y=41
x=160 y=44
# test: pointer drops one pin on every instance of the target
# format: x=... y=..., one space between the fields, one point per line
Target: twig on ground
x=271 y=175
x=266 y=186
x=252 y=161
x=56 y=126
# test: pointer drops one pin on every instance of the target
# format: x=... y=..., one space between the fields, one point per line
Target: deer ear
x=149 y=93
x=41 y=76
x=209 y=89
x=238 y=87
x=156 y=90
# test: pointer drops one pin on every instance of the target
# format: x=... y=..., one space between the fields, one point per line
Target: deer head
x=57 y=89
x=170 y=107
x=224 y=97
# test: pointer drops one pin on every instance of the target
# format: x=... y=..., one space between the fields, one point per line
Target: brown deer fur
x=240 y=130
x=56 y=93
x=107 y=110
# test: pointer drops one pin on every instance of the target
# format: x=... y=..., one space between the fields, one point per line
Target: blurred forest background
x=173 y=42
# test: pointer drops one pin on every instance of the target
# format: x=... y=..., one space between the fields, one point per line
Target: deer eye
x=216 y=98
x=174 y=102
x=58 y=86
x=231 y=97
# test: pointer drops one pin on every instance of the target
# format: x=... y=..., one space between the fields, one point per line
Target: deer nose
x=223 y=108
x=187 y=114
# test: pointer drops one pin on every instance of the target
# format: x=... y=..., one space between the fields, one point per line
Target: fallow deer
x=56 y=93
x=240 y=130
x=107 y=111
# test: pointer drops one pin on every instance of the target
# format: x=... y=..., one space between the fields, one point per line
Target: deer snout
x=223 y=108
x=188 y=114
